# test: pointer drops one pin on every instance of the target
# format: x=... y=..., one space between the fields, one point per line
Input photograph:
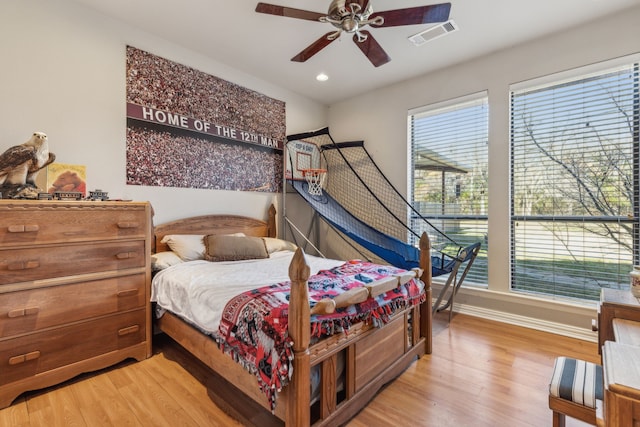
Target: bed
x=352 y=366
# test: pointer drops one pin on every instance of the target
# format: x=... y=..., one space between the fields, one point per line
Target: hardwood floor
x=481 y=373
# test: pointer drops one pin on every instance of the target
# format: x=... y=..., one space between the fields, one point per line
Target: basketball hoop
x=315 y=179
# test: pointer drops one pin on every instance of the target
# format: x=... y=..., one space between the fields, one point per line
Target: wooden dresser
x=74 y=290
x=619 y=336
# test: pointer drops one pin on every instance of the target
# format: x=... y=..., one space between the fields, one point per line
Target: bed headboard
x=216 y=224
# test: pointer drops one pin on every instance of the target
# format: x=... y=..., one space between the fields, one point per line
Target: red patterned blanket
x=253 y=328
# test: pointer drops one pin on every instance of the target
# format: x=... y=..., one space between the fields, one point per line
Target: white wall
x=380 y=119
x=63 y=73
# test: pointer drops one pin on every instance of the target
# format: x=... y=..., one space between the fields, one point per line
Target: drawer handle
x=128 y=330
x=24 y=265
x=16 y=360
x=128 y=292
x=126 y=255
x=19 y=312
x=28 y=228
x=128 y=225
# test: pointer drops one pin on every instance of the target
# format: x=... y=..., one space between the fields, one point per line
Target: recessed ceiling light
x=322 y=77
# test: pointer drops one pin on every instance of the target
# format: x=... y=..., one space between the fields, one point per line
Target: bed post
x=271 y=222
x=426 y=315
x=298 y=393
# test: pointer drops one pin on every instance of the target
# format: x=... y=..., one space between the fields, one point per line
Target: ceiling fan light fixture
x=434 y=32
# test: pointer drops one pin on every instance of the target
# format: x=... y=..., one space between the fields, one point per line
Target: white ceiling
x=262 y=45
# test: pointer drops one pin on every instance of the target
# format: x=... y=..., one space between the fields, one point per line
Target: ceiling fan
x=351 y=16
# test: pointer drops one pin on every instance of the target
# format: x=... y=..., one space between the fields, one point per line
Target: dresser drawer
x=34 y=354
x=23 y=265
x=63 y=223
x=31 y=310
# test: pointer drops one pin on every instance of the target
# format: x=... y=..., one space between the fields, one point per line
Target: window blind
x=574 y=184
x=449 y=171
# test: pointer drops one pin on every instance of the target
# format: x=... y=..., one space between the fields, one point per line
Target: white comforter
x=197 y=291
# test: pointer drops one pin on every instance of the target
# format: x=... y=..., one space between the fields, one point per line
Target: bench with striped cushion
x=576 y=386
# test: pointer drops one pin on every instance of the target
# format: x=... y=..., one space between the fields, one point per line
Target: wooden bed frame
x=373 y=356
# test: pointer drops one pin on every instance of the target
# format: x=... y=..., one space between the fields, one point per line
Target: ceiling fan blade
x=314 y=48
x=414 y=15
x=372 y=49
x=289 y=12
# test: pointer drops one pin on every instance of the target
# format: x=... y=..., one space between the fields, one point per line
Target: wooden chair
x=576 y=390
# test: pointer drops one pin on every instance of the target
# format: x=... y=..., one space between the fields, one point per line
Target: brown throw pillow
x=222 y=247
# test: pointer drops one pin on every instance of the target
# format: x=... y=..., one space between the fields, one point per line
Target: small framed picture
x=63 y=178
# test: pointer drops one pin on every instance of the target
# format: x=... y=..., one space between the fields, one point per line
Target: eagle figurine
x=20 y=164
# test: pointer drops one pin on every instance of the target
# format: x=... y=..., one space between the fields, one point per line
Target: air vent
x=433 y=33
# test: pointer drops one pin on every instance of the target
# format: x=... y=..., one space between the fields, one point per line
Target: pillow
x=274 y=245
x=163 y=260
x=189 y=247
x=220 y=247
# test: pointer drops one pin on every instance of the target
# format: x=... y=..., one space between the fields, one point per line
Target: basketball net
x=315 y=179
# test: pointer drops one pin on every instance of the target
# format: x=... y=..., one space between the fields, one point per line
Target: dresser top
x=618 y=297
x=11 y=204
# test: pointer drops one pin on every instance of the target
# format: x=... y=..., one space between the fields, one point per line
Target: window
x=449 y=173
x=574 y=183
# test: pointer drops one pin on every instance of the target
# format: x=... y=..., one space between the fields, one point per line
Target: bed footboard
x=373 y=356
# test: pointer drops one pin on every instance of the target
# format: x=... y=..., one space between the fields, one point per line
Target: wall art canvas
x=189 y=129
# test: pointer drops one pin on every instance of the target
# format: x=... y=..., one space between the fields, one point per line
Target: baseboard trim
x=527 y=322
